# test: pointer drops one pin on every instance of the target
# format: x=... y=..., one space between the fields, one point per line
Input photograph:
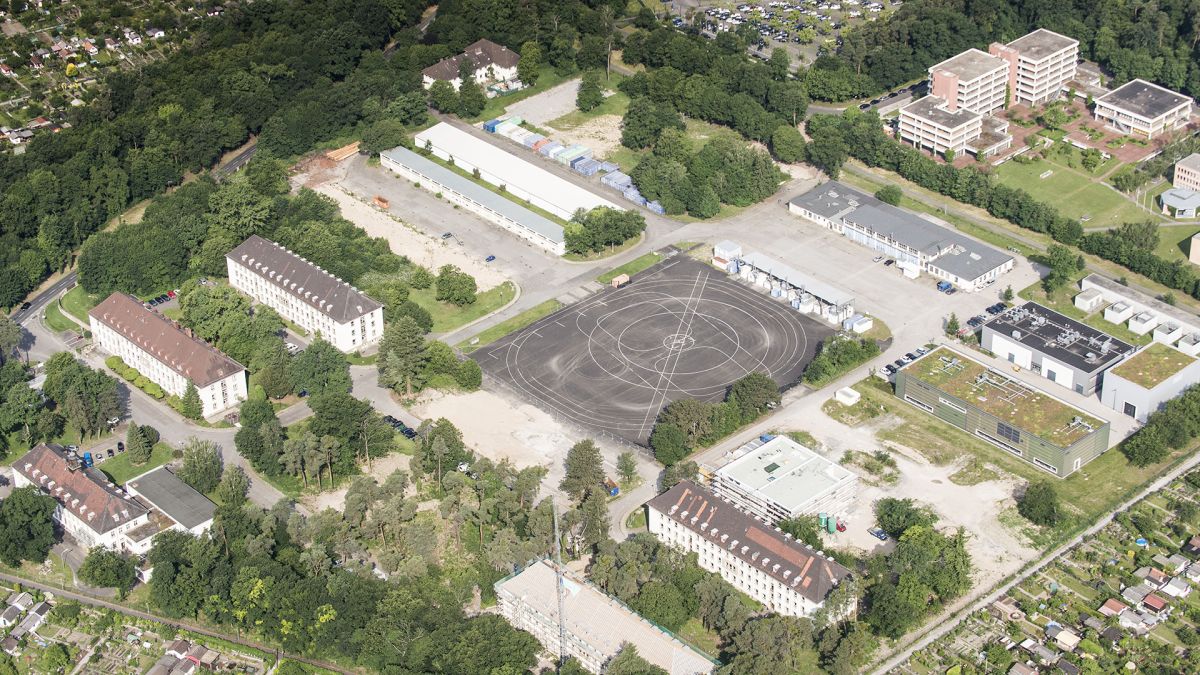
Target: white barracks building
x=785 y=575
x=305 y=294
x=169 y=357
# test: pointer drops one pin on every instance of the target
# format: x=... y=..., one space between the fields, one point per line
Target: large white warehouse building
x=520 y=178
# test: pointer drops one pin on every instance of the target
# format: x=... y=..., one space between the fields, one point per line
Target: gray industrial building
x=1061 y=349
x=918 y=245
x=1045 y=431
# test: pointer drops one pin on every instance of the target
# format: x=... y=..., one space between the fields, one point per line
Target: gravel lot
x=548 y=105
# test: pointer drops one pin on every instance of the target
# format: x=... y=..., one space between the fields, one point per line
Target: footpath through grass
x=77 y=302
x=511 y=325
x=447 y=317
x=57 y=322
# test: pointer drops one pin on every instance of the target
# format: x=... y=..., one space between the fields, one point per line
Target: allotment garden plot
x=680 y=329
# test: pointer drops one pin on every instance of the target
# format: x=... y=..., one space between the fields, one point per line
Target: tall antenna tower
x=558 y=584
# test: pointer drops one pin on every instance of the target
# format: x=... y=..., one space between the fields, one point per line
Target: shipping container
x=617 y=180
x=537 y=147
x=533 y=139
x=656 y=208
x=609 y=167
x=548 y=148
x=490 y=126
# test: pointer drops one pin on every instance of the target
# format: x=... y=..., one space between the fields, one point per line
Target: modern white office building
x=1143 y=383
x=1040 y=63
x=520 y=178
x=779 y=478
x=1141 y=108
x=917 y=245
x=305 y=294
x=596 y=626
x=785 y=575
x=167 y=355
x=433 y=177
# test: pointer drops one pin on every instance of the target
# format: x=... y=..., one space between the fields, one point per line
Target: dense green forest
x=1152 y=40
x=294 y=71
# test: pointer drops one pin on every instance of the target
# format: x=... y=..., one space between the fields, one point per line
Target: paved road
x=237 y=161
x=944 y=625
x=39 y=302
x=175 y=623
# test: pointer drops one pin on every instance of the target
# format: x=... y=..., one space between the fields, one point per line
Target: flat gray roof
x=929 y=108
x=1192 y=161
x=775 y=268
x=1144 y=99
x=955 y=253
x=786 y=472
x=1181 y=198
x=477 y=193
x=175 y=498
x=1060 y=337
x=970 y=64
x=1042 y=43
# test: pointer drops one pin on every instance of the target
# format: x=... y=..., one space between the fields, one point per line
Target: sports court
x=680 y=329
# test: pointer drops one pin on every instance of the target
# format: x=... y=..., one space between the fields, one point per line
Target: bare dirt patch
x=602 y=134
x=336 y=499
x=406 y=240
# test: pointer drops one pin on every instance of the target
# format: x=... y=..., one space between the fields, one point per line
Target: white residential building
x=596 y=625
x=166 y=354
x=90 y=508
x=493 y=63
x=1142 y=108
x=786 y=576
x=305 y=294
x=780 y=479
x=972 y=80
x=1040 y=64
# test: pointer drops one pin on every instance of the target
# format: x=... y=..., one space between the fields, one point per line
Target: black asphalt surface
x=681 y=329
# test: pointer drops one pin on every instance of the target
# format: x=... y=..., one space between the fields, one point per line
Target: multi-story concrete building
x=785 y=575
x=90 y=508
x=1187 y=173
x=1061 y=349
x=596 y=626
x=492 y=63
x=973 y=80
x=1142 y=108
x=305 y=294
x=916 y=244
x=779 y=478
x=1043 y=430
x=1040 y=63
x=167 y=355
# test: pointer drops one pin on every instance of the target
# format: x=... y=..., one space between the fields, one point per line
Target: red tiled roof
x=1155 y=602
x=190 y=357
x=86 y=493
x=1112 y=607
x=787 y=560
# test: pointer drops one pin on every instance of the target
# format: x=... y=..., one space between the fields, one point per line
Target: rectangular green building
x=1043 y=430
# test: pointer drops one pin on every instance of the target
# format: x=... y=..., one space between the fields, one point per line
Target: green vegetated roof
x=1153 y=365
x=1010 y=400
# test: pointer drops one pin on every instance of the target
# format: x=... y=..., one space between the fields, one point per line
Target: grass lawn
x=356 y=359
x=606 y=253
x=636 y=520
x=17 y=446
x=447 y=317
x=631 y=268
x=1174 y=241
x=1062 y=301
x=1073 y=193
x=511 y=325
x=77 y=302
x=119 y=469
x=695 y=634
x=56 y=320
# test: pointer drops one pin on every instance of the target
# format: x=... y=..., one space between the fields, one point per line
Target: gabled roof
x=85 y=492
x=790 y=562
x=155 y=334
x=303 y=280
x=483 y=53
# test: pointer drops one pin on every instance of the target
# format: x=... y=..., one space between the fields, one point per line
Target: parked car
x=890 y=369
x=922 y=350
x=489 y=259
x=110 y=452
x=25 y=306
x=878 y=534
x=408 y=433
x=120 y=446
x=303 y=393
x=899 y=363
x=889 y=262
x=877 y=258
x=447 y=235
x=171 y=294
x=911 y=356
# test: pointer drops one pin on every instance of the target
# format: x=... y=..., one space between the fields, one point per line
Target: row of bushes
x=132 y=376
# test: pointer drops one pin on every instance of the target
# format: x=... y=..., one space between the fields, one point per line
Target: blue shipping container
x=490 y=126
x=533 y=138
x=549 y=148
